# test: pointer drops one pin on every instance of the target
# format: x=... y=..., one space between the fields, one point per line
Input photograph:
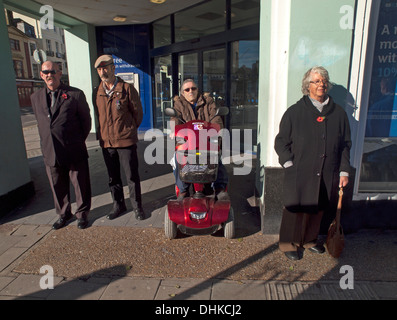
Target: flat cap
x=103 y=61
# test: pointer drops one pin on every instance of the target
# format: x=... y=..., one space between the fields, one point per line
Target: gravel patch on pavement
x=145 y=252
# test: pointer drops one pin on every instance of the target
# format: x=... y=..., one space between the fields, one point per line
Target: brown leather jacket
x=205 y=110
x=118 y=116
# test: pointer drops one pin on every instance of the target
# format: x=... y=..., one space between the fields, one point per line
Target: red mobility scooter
x=198 y=153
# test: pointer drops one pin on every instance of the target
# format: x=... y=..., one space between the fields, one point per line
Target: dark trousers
x=60 y=178
x=299 y=230
x=128 y=159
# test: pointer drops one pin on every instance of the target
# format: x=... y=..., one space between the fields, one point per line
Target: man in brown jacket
x=119 y=113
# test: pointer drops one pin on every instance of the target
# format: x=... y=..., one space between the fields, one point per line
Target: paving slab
x=131 y=289
x=28 y=285
x=76 y=289
x=8 y=257
x=385 y=290
x=33 y=235
x=238 y=290
x=5 y=281
x=184 y=289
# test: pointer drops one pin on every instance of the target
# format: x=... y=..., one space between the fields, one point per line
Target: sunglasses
x=188 y=89
x=49 y=71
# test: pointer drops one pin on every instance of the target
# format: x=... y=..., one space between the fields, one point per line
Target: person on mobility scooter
x=191 y=105
x=197 y=162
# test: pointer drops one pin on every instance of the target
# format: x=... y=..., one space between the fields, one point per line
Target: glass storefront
x=244 y=13
x=379 y=161
x=216 y=44
x=162 y=32
x=162 y=90
x=214 y=77
x=188 y=68
x=200 y=21
x=244 y=86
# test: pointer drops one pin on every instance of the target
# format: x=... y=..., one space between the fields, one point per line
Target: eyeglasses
x=188 y=89
x=49 y=71
x=318 y=82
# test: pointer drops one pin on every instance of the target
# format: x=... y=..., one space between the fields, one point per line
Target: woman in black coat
x=313 y=146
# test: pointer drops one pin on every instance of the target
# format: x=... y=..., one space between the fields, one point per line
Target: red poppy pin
x=320 y=119
x=65 y=96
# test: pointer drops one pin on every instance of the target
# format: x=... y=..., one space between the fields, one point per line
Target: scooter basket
x=199 y=167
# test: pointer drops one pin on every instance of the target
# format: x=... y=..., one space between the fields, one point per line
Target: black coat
x=319 y=145
x=63 y=135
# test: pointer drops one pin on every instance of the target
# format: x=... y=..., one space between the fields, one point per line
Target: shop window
x=214 y=79
x=162 y=90
x=188 y=68
x=244 y=86
x=379 y=162
x=162 y=32
x=199 y=21
x=244 y=13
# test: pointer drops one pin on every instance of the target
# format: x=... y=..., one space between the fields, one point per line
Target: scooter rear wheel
x=170 y=227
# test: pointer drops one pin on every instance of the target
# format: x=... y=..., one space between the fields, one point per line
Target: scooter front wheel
x=170 y=227
x=229 y=227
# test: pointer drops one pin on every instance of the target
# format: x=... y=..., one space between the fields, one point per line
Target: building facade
x=251 y=57
x=22 y=47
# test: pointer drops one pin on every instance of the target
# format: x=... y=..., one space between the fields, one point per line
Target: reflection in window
x=188 y=68
x=162 y=32
x=162 y=90
x=199 y=21
x=244 y=13
x=214 y=75
x=244 y=86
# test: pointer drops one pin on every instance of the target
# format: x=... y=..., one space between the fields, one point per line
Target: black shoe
x=293 y=255
x=61 y=222
x=317 y=249
x=82 y=223
x=139 y=214
x=117 y=210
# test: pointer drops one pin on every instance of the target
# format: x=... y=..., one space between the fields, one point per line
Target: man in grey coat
x=313 y=146
x=64 y=122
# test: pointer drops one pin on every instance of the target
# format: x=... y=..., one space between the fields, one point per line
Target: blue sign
x=141 y=81
x=382 y=109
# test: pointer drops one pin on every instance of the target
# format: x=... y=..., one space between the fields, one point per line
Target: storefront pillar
x=15 y=180
x=81 y=55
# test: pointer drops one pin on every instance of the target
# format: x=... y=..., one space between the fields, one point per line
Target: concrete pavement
x=26 y=232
